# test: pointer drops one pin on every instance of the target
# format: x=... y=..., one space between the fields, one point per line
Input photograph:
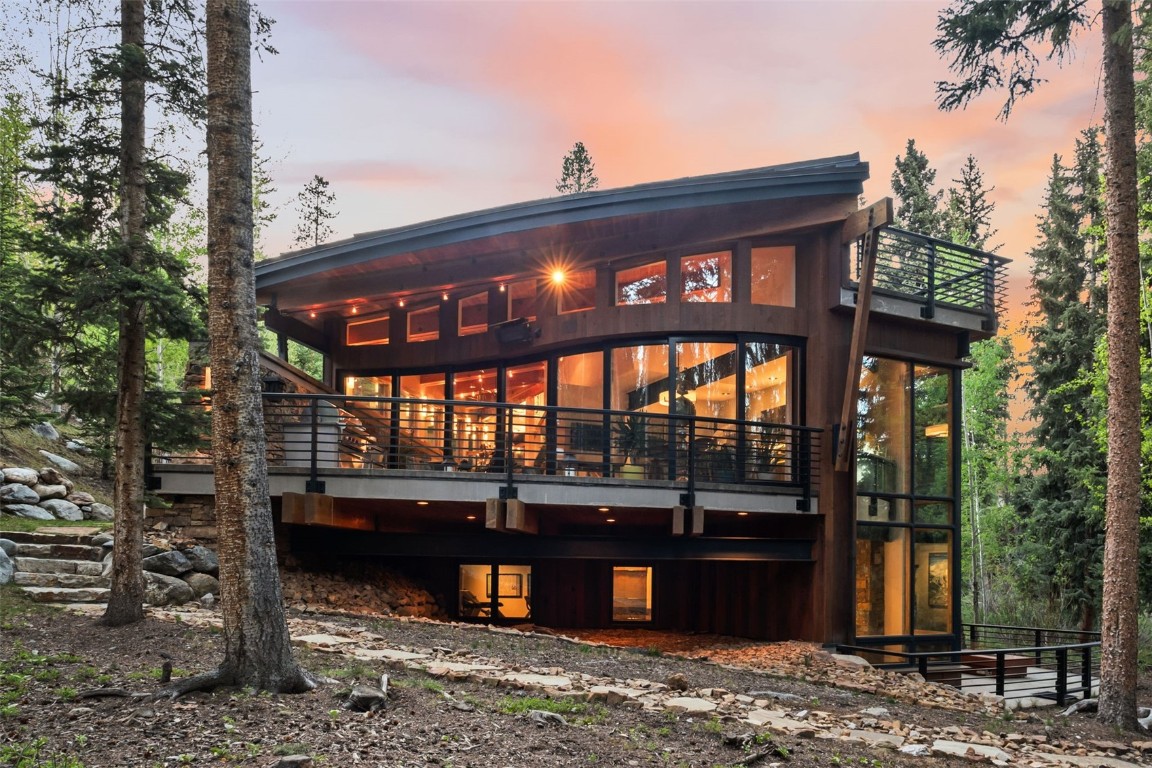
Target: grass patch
x=32 y=755
x=581 y=712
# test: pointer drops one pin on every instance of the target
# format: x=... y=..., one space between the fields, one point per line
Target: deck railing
x=325 y=433
x=1013 y=662
x=936 y=273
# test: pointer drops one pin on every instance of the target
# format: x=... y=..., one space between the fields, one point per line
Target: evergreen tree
x=314 y=206
x=989 y=43
x=968 y=215
x=578 y=173
x=1062 y=514
x=917 y=204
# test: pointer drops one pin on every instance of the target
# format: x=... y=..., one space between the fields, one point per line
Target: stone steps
x=72 y=580
x=68 y=594
x=59 y=567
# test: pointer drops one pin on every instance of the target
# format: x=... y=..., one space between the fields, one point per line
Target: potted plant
x=630 y=436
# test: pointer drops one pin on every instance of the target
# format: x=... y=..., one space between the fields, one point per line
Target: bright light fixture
x=558 y=276
x=602 y=509
x=421 y=503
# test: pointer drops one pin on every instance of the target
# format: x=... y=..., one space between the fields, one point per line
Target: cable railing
x=327 y=433
x=936 y=273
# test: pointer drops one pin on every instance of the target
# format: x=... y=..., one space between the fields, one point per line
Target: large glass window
x=527 y=385
x=582 y=437
x=473 y=314
x=774 y=276
x=424 y=324
x=904 y=492
x=495 y=592
x=578 y=292
x=421 y=423
x=474 y=427
x=372 y=330
x=772 y=450
x=645 y=284
x=706 y=277
x=631 y=593
x=368 y=386
x=640 y=383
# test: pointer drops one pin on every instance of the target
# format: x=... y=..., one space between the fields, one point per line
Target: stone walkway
x=873 y=727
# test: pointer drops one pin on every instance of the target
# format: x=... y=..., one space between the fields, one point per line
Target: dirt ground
x=51 y=659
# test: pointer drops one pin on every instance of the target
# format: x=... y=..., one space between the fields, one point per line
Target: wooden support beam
x=494 y=515
x=318 y=508
x=292 y=508
x=858 y=224
x=696 y=528
x=520 y=518
x=846 y=437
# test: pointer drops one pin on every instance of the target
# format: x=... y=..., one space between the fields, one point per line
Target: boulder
x=202 y=559
x=62 y=509
x=46 y=431
x=101 y=539
x=102 y=512
x=7 y=567
x=24 y=475
x=18 y=493
x=171 y=563
x=78 y=446
x=50 y=491
x=165 y=590
x=148 y=550
x=51 y=476
x=80 y=498
x=29 y=511
x=8 y=546
x=366 y=698
x=201 y=583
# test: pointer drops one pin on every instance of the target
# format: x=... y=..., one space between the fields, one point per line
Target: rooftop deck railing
x=936 y=273
x=327 y=433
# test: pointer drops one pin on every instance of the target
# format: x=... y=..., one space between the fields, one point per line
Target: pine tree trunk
x=126 y=600
x=1118 y=651
x=256 y=641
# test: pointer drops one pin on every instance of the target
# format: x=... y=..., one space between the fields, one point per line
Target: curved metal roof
x=841 y=175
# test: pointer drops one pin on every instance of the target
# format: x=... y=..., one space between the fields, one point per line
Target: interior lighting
x=602 y=509
x=936 y=430
x=444 y=296
x=610 y=520
x=401 y=303
x=502 y=287
x=558 y=277
x=355 y=310
x=742 y=514
x=470 y=517
x=421 y=503
x=312 y=314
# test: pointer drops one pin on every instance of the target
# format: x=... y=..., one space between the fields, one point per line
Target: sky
x=417 y=110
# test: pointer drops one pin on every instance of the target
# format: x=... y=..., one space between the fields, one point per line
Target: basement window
x=632 y=593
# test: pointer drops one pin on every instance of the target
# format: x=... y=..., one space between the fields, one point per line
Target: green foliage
x=968 y=214
x=918 y=205
x=314 y=207
x=32 y=754
x=988 y=45
x=578 y=173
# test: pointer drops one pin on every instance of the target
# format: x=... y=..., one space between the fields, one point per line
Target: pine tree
x=1062 y=513
x=968 y=214
x=314 y=206
x=917 y=204
x=578 y=173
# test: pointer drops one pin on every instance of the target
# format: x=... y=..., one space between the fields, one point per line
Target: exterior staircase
x=59 y=567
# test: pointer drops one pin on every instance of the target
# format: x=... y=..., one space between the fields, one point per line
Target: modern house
x=724 y=403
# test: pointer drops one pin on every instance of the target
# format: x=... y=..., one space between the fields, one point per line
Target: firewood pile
x=358 y=588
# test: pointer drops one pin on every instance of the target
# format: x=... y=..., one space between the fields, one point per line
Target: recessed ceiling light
x=421 y=503
x=470 y=517
x=602 y=509
x=742 y=514
x=610 y=520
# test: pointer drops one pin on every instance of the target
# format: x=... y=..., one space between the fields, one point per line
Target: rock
x=916 y=750
x=964 y=749
x=80 y=498
x=66 y=464
x=78 y=446
x=62 y=509
x=677 y=682
x=208 y=601
x=202 y=559
x=29 y=511
x=23 y=475
x=878 y=712
x=8 y=546
x=55 y=491
x=160 y=589
x=294 y=761
x=51 y=476
x=46 y=431
x=18 y=493
x=690 y=704
x=102 y=512
x=365 y=698
x=774 y=695
x=7 y=567
x=875 y=739
x=170 y=563
x=201 y=583
x=148 y=550
x=542 y=718
x=848 y=660
x=102 y=539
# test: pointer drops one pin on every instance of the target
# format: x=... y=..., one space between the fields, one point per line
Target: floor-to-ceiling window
x=905 y=503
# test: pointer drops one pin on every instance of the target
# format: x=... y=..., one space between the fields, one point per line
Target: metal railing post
x=1086 y=671
x=929 y=310
x=1000 y=673
x=1061 y=675
x=805 y=503
x=313 y=484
